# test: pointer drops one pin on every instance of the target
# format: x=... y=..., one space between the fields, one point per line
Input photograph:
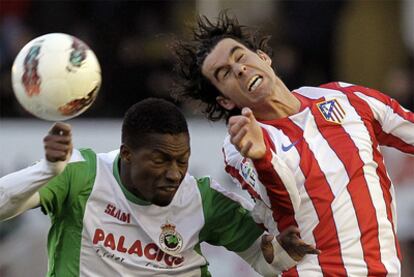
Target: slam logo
x=170 y=240
x=332 y=111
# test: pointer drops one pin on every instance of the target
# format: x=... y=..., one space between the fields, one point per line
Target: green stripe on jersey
x=129 y=195
x=227 y=223
x=64 y=199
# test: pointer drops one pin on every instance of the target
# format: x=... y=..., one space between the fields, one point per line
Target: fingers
x=294 y=245
x=237 y=130
x=58 y=143
x=244 y=150
x=60 y=128
x=247 y=112
x=267 y=248
x=304 y=248
x=291 y=230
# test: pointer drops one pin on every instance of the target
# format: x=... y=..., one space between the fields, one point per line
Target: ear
x=125 y=153
x=264 y=57
x=225 y=103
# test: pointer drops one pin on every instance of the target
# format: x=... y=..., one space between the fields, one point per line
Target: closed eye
x=158 y=161
x=238 y=59
x=224 y=73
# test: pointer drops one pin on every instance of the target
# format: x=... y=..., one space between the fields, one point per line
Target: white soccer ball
x=56 y=77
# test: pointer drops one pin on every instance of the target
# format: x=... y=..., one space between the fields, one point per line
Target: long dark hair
x=191 y=83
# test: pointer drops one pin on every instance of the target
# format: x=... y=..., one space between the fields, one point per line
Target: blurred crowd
x=314 y=42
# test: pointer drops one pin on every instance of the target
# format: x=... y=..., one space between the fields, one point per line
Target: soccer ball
x=56 y=77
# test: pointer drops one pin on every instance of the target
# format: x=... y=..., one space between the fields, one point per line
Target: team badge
x=248 y=172
x=170 y=240
x=332 y=111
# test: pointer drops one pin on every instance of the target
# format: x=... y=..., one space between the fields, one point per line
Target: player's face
x=245 y=78
x=157 y=169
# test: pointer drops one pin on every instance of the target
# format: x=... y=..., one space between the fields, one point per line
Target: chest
x=119 y=233
x=328 y=135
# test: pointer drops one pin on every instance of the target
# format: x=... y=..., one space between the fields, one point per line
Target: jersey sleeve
x=393 y=124
x=228 y=221
x=59 y=192
x=269 y=175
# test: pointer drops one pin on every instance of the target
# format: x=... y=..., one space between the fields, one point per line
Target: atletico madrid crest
x=332 y=111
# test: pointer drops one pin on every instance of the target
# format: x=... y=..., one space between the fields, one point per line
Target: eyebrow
x=166 y=154
x=231 y=52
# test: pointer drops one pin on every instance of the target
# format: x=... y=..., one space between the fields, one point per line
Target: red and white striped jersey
x=323 y=172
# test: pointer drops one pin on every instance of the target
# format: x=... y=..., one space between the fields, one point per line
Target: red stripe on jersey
x=390 y=140
x=281 y=204
x=320 y=193
x=282 y=208
x=378 y=158
x=346 y=150
x=409 y=116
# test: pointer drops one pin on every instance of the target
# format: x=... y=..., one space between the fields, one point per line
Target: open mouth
x=254 y=82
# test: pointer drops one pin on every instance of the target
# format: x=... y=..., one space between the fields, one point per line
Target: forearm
x=18 y=190
x=254 y=256
x=278 y=179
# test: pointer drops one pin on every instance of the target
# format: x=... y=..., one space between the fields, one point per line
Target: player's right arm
x=252 y=146
x=19 y=190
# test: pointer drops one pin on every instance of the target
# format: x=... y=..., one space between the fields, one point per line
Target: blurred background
x=370 y=43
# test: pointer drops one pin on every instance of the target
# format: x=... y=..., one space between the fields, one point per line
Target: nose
x=239 y=69
x=173 y=173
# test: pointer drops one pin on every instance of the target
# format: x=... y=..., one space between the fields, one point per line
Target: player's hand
x=267 y=248
x=246 y=135
x=58 y=142
x=296 y=248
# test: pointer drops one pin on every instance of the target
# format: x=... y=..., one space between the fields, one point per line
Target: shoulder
x=82 y=158
x=81 y=166
x=212 y=193
x=352 y=88
x=343 y=90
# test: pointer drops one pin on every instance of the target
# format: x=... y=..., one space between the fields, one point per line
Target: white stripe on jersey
x=342 y=209
x=386 y=237
x=284 y=172
x=382 y=112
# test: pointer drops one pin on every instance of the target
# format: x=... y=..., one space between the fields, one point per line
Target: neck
x=124 y=175
x=281 y=105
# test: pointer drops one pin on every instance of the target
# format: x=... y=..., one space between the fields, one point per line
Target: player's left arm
x=228 y=223
x=393 y=124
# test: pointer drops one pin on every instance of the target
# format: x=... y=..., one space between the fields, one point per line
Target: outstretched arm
x=19 y=190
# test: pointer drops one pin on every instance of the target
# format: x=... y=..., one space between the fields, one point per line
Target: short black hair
x=151 y=116
x=190 y=55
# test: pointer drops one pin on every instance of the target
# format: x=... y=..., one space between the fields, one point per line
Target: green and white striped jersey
x=101 y=229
